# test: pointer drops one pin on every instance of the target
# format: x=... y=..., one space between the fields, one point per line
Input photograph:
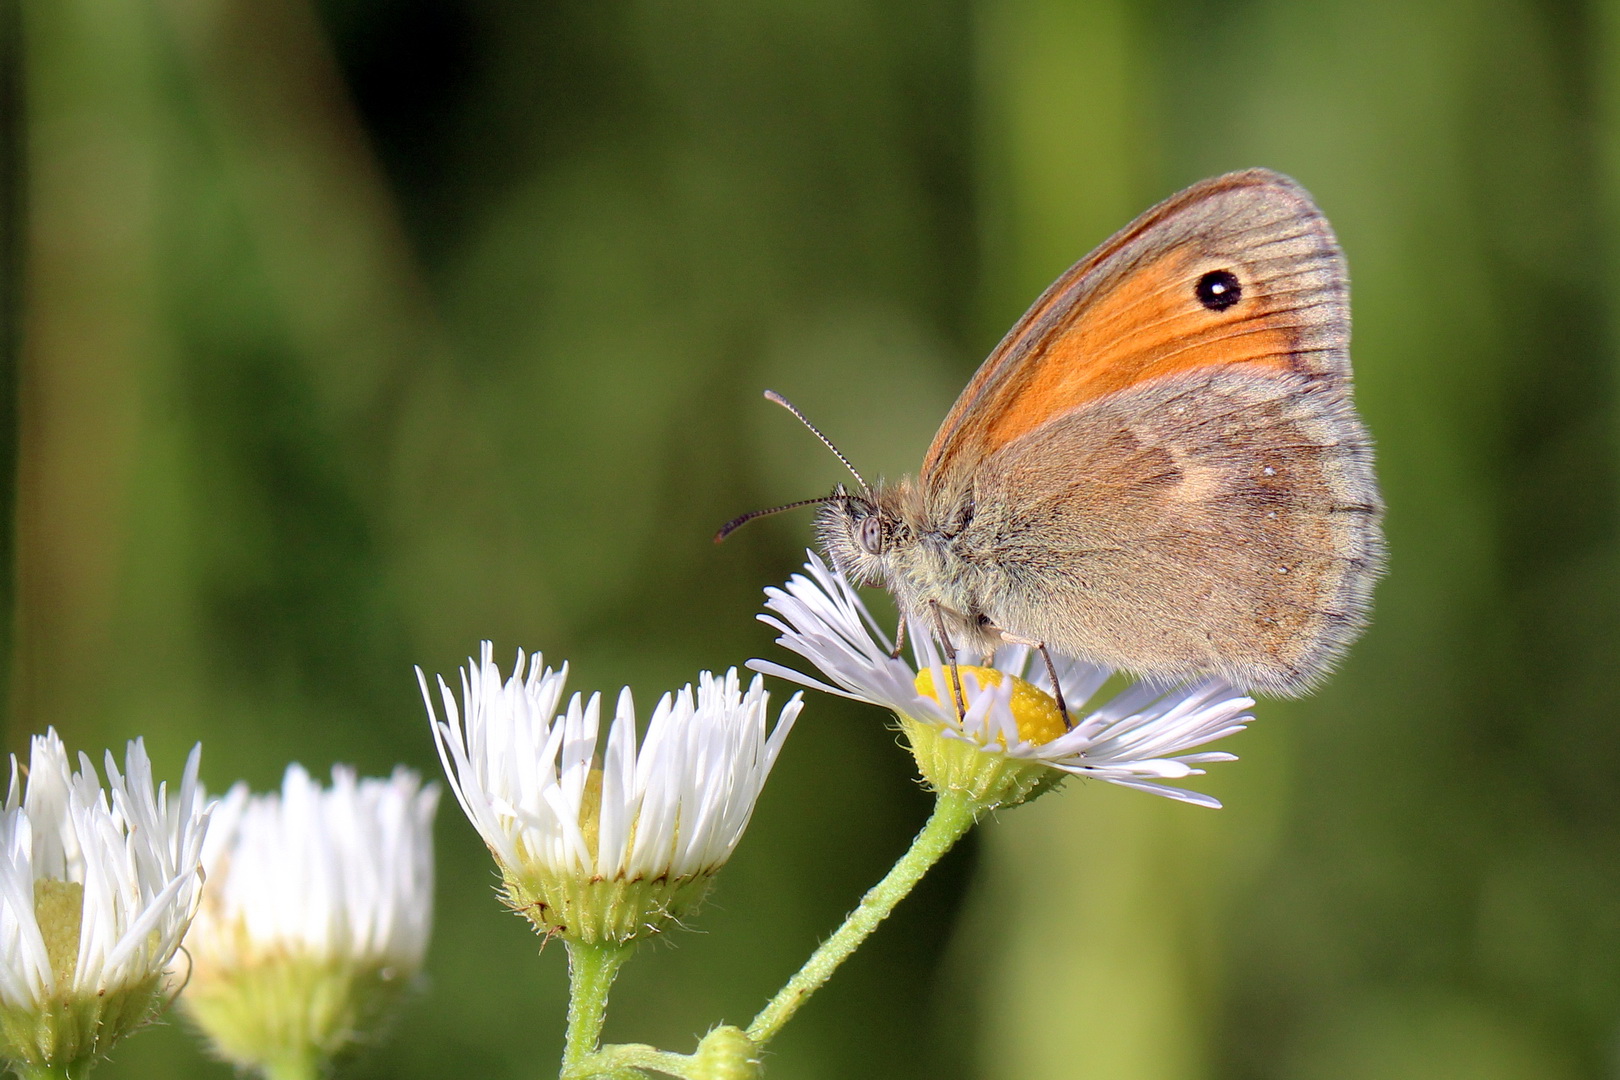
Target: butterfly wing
x=1161 y=463
x=1221 y=520
x=1242 y=269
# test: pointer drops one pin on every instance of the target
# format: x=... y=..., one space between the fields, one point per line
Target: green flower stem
x=725 y=1053
x=622 y=1059
x=953 y=816
x=591 y=968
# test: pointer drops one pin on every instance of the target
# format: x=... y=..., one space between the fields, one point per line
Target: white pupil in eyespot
x=871 y=535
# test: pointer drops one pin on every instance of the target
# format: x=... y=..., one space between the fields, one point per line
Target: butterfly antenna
x=772 y=395
x=738 y=522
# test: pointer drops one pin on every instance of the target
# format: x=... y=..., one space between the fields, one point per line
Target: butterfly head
x=861 y=533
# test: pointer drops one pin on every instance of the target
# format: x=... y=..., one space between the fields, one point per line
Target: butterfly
x=1159 y=468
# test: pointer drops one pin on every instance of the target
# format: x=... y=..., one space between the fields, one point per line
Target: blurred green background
x=338 y=337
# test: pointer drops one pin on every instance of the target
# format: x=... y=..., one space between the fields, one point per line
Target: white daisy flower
x=1141 y=738
x=602 y=840
x=316 y=915
x=97 y=887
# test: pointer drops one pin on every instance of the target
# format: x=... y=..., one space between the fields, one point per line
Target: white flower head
x=97 y=887
x=601 y=839
x=316 y=914
x=1142 y=738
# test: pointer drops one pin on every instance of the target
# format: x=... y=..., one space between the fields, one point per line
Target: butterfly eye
x=1218 y=290
x=871 y=536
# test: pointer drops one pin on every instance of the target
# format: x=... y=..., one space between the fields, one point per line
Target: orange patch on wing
x=1149 y=325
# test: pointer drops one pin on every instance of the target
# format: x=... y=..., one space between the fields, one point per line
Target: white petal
x=336 y=873
x=673 y=805
x=135 y=850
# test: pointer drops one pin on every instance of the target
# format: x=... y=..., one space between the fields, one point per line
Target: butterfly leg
x=899 y=640
x=1051 y=668
x=950 y=652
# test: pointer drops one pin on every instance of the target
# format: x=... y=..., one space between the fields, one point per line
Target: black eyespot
x=1218 y=290
x=871 y=535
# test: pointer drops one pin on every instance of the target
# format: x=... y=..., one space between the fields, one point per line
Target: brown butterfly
x=1159 y=468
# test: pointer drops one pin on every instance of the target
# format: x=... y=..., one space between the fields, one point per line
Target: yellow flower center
x=1034 y=710
x=590 y=812
x=59 y=909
